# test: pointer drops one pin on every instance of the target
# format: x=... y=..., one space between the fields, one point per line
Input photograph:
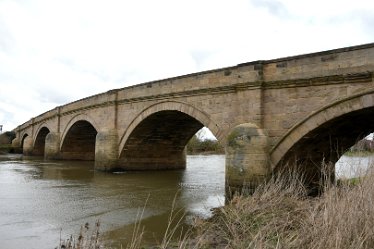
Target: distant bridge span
x=304 y=109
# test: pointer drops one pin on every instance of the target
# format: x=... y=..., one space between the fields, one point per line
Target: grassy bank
x=5 y=148
x=359 y=153
x=197 y=146
x=6 y=142
x=280 y=214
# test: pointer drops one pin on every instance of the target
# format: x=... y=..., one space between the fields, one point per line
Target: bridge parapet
x=349 y=60
x=192 y=82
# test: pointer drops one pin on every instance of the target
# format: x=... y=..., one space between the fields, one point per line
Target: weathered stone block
x=52 y=146
x=247 y=159
x=27 y=146
x=106 y=150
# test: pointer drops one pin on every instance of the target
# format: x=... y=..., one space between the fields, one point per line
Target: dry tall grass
x=87 y=239
x=281 y=215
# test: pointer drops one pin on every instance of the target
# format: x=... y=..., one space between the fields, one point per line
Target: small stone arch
x=41 y=126
x=355 y=103
x=23 y=137
x=185 y=108
x=39 y=140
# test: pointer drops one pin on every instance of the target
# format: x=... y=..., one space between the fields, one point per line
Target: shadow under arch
x=157 y=137
x=39 y=141
x=24 y=136
x=79 y=139
x=79 y=117
x=322 y=137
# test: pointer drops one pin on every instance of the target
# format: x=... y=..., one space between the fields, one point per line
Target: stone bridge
x=268 y=114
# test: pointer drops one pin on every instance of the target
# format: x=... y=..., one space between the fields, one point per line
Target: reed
x=281 y=214
x=87 y=239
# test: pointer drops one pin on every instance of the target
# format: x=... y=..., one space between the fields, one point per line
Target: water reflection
x=38 y=198
x=348 y=167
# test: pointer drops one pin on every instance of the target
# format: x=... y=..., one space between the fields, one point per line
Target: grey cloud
x=7 y=119
x=70 y=63
x=53 y=97
x=6 y=39
x=200 y=56
x=367 y=19
x=274 y=7
x=51 y=94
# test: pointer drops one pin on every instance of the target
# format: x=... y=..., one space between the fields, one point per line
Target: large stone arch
x=79 y=139
x=78 y=117
x=350 y=118
x=156 y=138
x=188 y=109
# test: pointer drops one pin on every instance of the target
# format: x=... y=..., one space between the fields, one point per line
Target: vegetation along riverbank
x=280 y=214
x=6 y=142
x=362 y=148
x=198 y=145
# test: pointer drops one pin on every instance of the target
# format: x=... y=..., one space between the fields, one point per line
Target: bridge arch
x=39 y=141
x=327 y=133
x=79 y=138
x=79 y=117
x=24 y=136
x=157 y=137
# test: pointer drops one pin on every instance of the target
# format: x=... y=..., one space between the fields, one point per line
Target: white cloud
x=53 y=52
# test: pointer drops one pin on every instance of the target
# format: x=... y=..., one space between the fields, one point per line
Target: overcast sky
x=54 y=52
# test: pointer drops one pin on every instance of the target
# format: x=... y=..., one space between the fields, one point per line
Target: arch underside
x=39 y=145
x=23 y=140
x=159 y=141
x=318 y=151
x=79 y=142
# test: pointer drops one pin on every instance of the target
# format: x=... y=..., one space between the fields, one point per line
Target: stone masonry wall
x=274 y=95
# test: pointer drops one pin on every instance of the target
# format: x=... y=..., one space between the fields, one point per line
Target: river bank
x=280 y=214
x=5 y=149
x=67 y=195
x=359 y=153
x=6 y=142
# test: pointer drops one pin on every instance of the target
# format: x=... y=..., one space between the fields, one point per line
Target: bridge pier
x=16 y=145
x=247 y=159
x=52 y=146
x=106 y=150
x=27 y=146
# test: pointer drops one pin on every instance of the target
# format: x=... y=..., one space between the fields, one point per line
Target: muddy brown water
x=43 y=201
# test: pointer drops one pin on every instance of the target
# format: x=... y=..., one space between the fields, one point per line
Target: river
x=43 y=200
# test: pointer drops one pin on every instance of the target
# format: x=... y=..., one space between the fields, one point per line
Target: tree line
x=197 y=145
